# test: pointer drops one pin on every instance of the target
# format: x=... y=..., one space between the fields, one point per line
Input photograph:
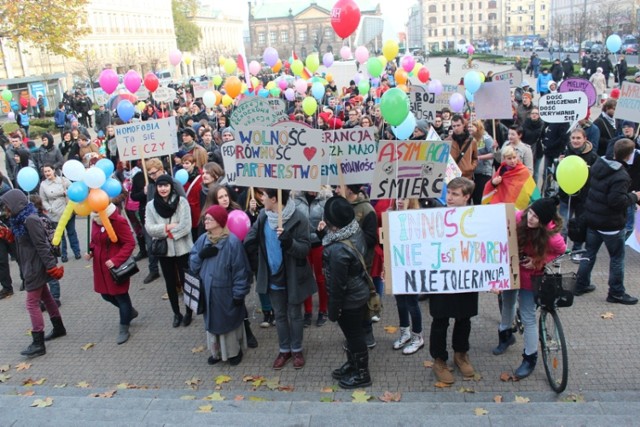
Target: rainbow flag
x=306 y=74
x=517 y=187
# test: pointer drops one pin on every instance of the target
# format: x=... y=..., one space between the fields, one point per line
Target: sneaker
x=403 y=339
x=375 y=318
x=266 y=319
x=584 y=290
x=298 y=360
x=151 y=277
x=322 y=319
x=64 y=258
x=576 y=258
x=4 y=293
x=625 y=299
x=308 y=317
x=370 y=340
x=416 y=344
x=281 y=360
x=213 y=360
x=77 y=256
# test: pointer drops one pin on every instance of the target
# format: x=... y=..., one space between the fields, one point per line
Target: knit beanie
x=545 y=208
x=219 y=214
x=164 y=179
x=338 y=212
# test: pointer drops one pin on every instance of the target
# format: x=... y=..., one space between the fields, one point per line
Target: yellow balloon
x=329 y=77
x=217 y=80
x=255 y=82
x=221 y=60
x=309 y=105
x=243 y=88
x=482 y=76
x=230 y=66
x=187 y=59
x=270 y=85
x=297 y=67
x=390 y=49
x=416 y=68
x=383 y=61
x=140 y=105
x=226 y=100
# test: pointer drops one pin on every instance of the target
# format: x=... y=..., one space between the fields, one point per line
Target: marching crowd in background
x=325 y=242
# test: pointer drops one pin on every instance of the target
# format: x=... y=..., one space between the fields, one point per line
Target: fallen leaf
x=391 y=329
x=197 y=349
x=466 y=390
x=286 y=388
x=165 y=296
x=28 y=332
x=27 y=393
x=440 y=384
x=221 y=379
x=42 y=403
x=326 y=399
x=507 y=376
x=577 y=398
x=427 y=364
x=205 y=409
x=4 y=378
x=87 y=346
x=214 y=397
x=388 y=396
x=476 y=377
x=360 y=396
x=238 y=397
x=480 y=411
x=194 y=383
x=23 y=366
x=122 y=386
x=607 y=316
x=82 y=384
x=5 y=368
x=273 y=383
x=520 y=399
x=497 y=398
x=106 y=395
x=327 y=390
x=187 y=397
x=257 y=399
x=30 y=382
x=60 y=385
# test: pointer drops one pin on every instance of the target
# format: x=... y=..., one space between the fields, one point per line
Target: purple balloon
x=435 y=87
x=375 y=82
x=290 y=94
x=357 y=78
x=108 y=80
x=270 y=56
x=327 y=59
x=456 y=102
x=577 y=84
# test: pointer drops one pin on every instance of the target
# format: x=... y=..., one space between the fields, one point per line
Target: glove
x=238 y=302
x=56 y=272
x=208 y=252
x=285 y=240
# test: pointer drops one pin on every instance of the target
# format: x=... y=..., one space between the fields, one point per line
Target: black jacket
x=609 y=196
x=607 y=132
x=555 y=139
x=590 y=157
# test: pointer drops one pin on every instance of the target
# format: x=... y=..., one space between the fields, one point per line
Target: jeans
x=631 y=220
x=123 y=302
x=615 y=246
x=73 y=237
x=315 y=261
x=289 y=321
x=54 y=287
x=459 y=338
x=265 y=302
x=153 y=260
x=173 y=269
x=379 y=285
x=527 y=304
x=33 y=307
x=576 y=210
x=408 y=306
x=350 y=322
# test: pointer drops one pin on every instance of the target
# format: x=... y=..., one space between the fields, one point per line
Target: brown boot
x=442 y=372
x=462 y=362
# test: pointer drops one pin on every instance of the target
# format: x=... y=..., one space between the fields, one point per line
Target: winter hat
x=524 y=84
x=546 y=208
x=227 y=130
x=636 y=75
x=355 y=188
x=219 y=214
x=628 y=123
x=164 y=179
x=423 y=126
x=338 y=212
x=189 y=131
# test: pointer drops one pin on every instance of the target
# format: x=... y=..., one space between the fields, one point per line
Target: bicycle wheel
x=475 y=65
x=554 y=350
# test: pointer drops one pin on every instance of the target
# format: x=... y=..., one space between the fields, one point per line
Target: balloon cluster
x=132 y=80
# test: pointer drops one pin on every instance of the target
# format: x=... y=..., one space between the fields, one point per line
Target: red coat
x=194 y=198
x=103 y=249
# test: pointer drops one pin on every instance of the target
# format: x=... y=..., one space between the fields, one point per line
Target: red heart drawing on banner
x=310 y=152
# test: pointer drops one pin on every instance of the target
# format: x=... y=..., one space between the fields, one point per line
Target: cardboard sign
x=414 y=169
x=148 y=139
x=563 y=107
x=628 y=107
x=287 y=157
x=576 y=84
x=142 y=94
x=353 y=150
x=451 y=250
x=513 y=77
x=199 y=88
x=422 y=103
x=493 y=101
x=164 y=94
x=257 y=112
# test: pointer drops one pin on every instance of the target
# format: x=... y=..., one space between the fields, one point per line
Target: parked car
x=527 y=45
x=586 y=46
x=597 y=48
x=483 y=47
x=572 y=48
x=538 y=48
x=631 y=49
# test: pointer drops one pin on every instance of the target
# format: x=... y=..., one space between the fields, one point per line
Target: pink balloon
x=108 y=80
x=435 y=87
x=327 y=59
x=282 y=83
x=132 y=81
x=301 y=86
x=471 y=49
x=408 y=63
x=175 y=56
x=456 y=102
x=345 y=52
x=362 y=54
x=270 y=56
x=290 y=94
x=238 y=223
x=254 y=67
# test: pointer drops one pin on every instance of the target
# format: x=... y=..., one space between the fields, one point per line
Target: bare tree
x=580 y=24
x=209 y=55
x=88 y=67
x=609 y=17
x=318 y=38
x=559 y=32
x=154 y=58
x=127 y=59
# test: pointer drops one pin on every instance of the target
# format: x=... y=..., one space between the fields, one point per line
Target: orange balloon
x=218 y=97
x=329 y=77
x=82 y=209
x=403 y=88
x=98 y=200
x=277 y=66
x=233 y=86
x=107 y=226
x=401 y=76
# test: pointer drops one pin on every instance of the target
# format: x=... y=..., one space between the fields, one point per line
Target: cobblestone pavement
x=603 y=353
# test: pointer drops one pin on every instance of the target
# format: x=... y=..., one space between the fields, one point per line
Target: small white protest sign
x=628 y=106
x=164 y=94
x=513 y=77
x=566 y=107
x=493 y=101
x=148 y=139
x=199 y=88
x=257 y=112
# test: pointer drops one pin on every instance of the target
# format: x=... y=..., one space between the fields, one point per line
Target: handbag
x=193 y=291
x=374 y=304
x=125 y=271
x=159 y=247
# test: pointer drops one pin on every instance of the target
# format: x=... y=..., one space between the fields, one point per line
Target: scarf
x=17 y=222
x=215 y=239
x=611 y=120
x=341 y=234
x=166 y=209
x=460 y=139
x=287 y=211
x=188 y=147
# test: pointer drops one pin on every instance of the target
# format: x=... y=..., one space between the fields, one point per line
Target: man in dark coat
x=607 y=125
x=567 y=67
x=557 y=71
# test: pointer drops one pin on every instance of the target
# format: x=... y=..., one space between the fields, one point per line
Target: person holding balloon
x=192 y=187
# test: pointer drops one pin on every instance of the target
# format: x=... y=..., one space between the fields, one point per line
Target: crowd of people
x=325 y=242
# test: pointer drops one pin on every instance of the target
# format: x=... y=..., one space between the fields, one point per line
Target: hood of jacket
x=15 y=200
x=604 y=167
x=48 y=145
x=588 y=147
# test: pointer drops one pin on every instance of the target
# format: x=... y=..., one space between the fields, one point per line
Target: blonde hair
x=508 y=151
x=154 y=163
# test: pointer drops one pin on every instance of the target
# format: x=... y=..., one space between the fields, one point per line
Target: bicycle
x=554 y=290
x=466 y=65
x=550 y=187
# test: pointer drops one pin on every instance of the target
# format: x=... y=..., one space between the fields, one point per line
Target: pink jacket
x=557 y=247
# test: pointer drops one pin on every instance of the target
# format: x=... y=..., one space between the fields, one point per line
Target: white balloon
x=94 y=177
x=209 y=99
x=74 y=170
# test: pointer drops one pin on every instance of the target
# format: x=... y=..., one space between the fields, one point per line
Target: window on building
x=461 y=18
x=480 y=29
x=479 y=5
x=433 y=8
x=444 y=32
x=453 y=6
x=480 y=17
x=462 y=31
x=493 y=4
x=329 y=34
x=433 y=20
x=470 y=6
x=444 y=7
x=435 y=33
x=461 y=6
x=273 y=37
x=284 y=36
x=430 y=32
x=453 y=19
x=492 y=17
x=302 y=35
x=542 y=27
x=453 y=32
x=543 y=7
x=444 y=19
x=262 y=38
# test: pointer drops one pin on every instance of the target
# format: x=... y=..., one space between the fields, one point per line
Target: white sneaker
x=375 y=318
x=405 y=337
x=576 y=258
x=416 y=344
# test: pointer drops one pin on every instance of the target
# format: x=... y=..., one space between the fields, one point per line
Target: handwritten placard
x=422 y=103
x=286 y=156
x=628 y=107
x=353 y=150
x=563 y=107
x=577 y=84
x=152 y=138
x=513 y=77
x=164 y=94
x=414 y=169
x=450 y=250
x=199 y=88
x=257 y=112
x=493 y=101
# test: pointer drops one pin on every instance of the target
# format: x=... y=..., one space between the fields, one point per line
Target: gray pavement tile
x=231 y=419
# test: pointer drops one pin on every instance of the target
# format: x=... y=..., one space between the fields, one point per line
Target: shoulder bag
x=125 y=271
x=374 y=305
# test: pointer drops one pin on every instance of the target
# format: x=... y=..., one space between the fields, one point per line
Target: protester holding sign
x=464 y=149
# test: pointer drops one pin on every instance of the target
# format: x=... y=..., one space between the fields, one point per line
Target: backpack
x=50 y=229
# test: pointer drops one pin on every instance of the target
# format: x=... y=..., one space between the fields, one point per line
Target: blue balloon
x=112 y=187
x=126 y=110
x=182 y=176
x=405 y=129
x=106 y=165
x=614 y=43
x=78 y=192
x=472 y=81
x=28 y=179
x=468 y=95
x=317 y=90
x=263 y=93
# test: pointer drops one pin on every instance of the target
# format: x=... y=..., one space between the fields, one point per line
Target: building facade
x=221 y=35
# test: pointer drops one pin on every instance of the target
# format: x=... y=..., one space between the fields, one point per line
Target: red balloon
x=345 y=17
x=615 y=93
x=423 y=75
x=151 y=82
x=24 y=102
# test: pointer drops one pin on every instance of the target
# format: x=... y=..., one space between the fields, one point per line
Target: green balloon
x=309 y=105
x=275 y=92
x=374 y=67
x=313 y=62
x=217 y=80
x=394 y=106
x=572 y=174
x=296 y=67
x=363 y=87
x=7 y=95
